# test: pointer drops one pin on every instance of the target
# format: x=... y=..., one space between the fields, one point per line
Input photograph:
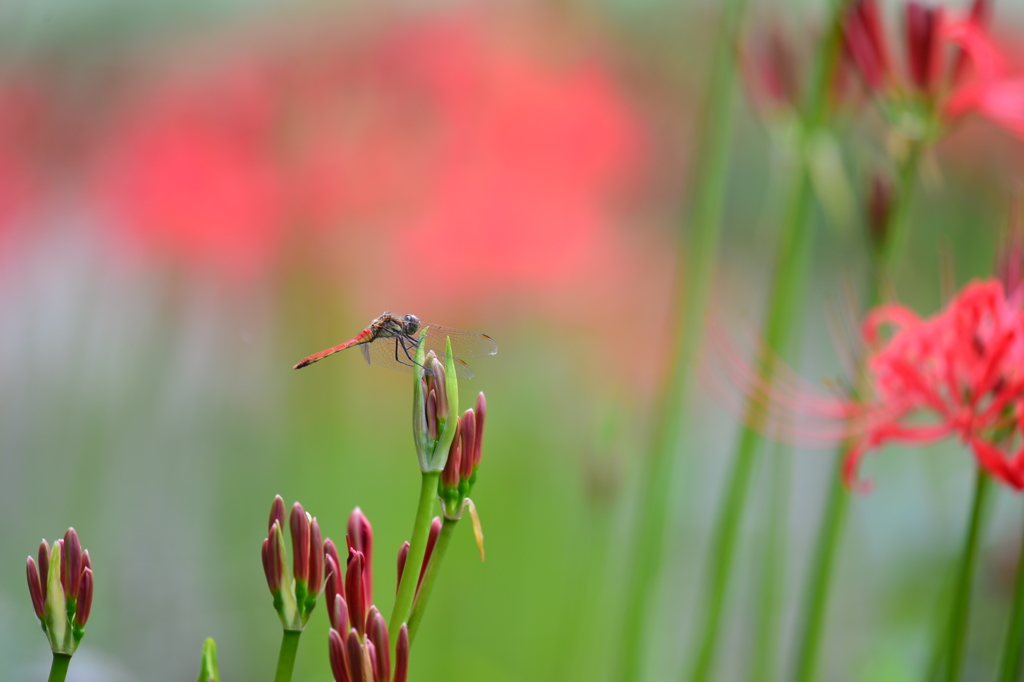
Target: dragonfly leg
x=406 y=342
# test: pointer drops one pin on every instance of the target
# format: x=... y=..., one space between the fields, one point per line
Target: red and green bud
x=459 y=474
x=435 y=404
x=924 y=57
x=403 y=554
x=358 y=658
x=360 y=538
x=334 y=588
x=295 y=591
x=358 y=639
x=339 y=663
x=355 y=588
x=61 y=587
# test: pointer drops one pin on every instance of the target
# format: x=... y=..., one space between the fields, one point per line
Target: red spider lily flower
x=995 y=92
x=961 y=369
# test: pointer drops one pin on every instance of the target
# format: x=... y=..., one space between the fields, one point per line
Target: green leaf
x=208 y=671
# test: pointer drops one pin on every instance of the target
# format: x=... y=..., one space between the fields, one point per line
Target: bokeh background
x=194 y=196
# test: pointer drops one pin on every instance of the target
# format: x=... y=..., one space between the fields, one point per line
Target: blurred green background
x=194 y=196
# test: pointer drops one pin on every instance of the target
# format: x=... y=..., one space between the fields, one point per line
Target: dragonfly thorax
x=411 y=324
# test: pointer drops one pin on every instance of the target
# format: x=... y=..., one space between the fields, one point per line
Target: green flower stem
x=780 y=328
x=430 y=576
x=827 y=545
x=895 y=233
x=824 y=556
x=699 y=254
x=766 y=645
x=417 y=549
x=1010 y=669
x=286 y=659
x=789 y=280
x=962 y=595
x=59 y=667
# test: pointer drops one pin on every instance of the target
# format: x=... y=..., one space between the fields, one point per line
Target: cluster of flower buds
x=435 y=403
x=61 y=589
x=295 y=592
x=459 y=473
x=358 y=638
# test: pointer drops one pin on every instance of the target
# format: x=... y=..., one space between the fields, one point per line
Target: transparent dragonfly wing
x=395 y=352
x=464 y=344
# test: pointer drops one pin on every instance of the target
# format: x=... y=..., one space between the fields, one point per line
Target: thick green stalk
x=690 y=304
x=962 y=596
x=59 y=667
x=286 y=659
x=1010 y=668
x=790 y=275
x=417 y=549
x=780 y=327
x=827 y=545
x=430 y=576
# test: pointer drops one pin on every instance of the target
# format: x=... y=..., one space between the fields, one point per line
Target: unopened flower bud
x=377 y=633
x=71 y=569
x=923 y=25
x=402 y=655
x=84 y=598
x=35 y=589
x=277 y=512
x=360 y=537
x=450 y=474
x=459 y=474
x=354 y=656
x=435 y=533
x=61 y=587
x=403 y=554
x=299 y=523
x=435 y=406
x=356 y=590
x=339 y=666
x=339 y=614
x=294 y=599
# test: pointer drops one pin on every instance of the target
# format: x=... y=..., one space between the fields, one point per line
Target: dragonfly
x=392 y=341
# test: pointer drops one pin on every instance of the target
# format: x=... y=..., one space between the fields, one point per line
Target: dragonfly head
x=411 y=324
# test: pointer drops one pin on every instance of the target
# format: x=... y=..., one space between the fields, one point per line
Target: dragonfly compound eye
x=412 y=324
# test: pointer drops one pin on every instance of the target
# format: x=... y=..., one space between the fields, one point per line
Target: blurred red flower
x=23 y=111
x=187 y=173
x=963 y=368
x=460 y=141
